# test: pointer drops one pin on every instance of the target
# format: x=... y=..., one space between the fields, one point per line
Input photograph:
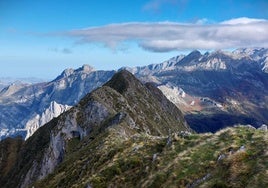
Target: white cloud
x=202 y=21
x=169 y=36
x=242 y=20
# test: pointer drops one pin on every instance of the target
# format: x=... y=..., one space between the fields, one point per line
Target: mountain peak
x=122 y=81
x=195 y=53
x=191 y=57
x=68 y=72
x=86 y=68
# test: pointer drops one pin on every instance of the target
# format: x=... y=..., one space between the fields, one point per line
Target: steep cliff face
x=123 y=104
x=54 y=110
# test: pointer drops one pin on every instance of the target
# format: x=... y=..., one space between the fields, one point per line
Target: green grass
x=114 y=161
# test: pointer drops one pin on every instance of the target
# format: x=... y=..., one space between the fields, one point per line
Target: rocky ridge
x=216 y=88
x=123 y=106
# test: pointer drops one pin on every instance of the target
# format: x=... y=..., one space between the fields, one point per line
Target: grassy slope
x=9 y=151
x=146 y=161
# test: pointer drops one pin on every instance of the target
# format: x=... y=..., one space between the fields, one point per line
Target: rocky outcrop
x=54 y=110
x=263 y=128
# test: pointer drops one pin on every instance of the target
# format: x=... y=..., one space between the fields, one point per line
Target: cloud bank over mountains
x=170 y=36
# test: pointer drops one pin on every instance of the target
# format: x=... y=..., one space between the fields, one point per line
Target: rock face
x=25 y=108
x=263 y=128
x=54 y=110
x=123 y=104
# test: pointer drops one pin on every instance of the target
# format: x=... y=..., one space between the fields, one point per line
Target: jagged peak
x=195 y=53
x=255 y=53
x=68 y=72
x=86 y=68
x=193 y=56
x=220 y=54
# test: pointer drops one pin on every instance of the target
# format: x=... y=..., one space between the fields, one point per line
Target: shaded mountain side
x=123 y=104
x=229 y=83
x=219 y=85
x=202 y=123
x=166 y=104
x=9 y=152
x=241 y=96
x=29 y=155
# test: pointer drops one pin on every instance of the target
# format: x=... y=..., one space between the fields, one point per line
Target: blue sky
x=40 y=38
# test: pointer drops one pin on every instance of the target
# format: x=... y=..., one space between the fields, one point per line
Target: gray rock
x=155 y=156
x=263 y=128
x=242 y=148
x=221 y=157
x=250 y=127
x=54 y=110
x=184 y=134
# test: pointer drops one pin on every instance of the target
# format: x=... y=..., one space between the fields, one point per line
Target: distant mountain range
x=128 y=134
x=24 y=108
x=6 y=81
x=123 y=107
x=214 y=90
